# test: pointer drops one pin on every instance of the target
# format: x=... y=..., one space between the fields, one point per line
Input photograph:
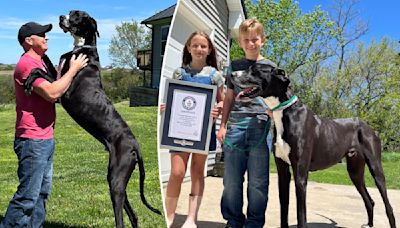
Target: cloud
x=11 y=23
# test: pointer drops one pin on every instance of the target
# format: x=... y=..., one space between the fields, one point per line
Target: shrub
x=116 y=83
x=7 y=90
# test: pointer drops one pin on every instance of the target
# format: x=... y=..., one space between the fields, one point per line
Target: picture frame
x=186 y=122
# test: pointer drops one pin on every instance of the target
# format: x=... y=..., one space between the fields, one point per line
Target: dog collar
x=286 y=104
x=84 y=46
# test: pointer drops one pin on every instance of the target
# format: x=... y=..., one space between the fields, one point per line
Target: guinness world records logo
x=189 y=103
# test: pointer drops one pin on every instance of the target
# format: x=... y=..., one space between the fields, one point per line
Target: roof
x=169 y=12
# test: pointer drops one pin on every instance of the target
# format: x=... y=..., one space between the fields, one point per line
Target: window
x=164 y=36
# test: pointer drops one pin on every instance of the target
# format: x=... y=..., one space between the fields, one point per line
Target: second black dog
x=311 y=143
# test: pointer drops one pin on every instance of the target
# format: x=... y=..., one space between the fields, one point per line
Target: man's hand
x=77 y=63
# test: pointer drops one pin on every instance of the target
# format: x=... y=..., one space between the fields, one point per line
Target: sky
x=382 y=18
x=108 y=14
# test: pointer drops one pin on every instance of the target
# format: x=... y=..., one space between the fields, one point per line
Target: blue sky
x=107 y=13
x=382 y=17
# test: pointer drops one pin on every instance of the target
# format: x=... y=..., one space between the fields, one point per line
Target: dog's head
x=262 y=80
x=81 y=26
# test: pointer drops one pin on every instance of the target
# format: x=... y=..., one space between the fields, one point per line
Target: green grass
x=337 y=174
x=80 y=196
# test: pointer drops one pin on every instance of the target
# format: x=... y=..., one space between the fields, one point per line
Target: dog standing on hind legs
x=87 y=103
x=310 y=143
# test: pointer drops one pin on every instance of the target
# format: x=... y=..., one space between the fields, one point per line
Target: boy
x=245 y=141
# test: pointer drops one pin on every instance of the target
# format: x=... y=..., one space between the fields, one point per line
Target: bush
x=116 y=83
x=7 y=90
x=9 y=67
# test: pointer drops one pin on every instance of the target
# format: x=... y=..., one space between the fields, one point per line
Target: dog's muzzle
x=64 y=23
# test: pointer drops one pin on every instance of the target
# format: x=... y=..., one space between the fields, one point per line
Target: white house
x=221 y=20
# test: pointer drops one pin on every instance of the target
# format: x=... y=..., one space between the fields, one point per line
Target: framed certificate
x=186 y=123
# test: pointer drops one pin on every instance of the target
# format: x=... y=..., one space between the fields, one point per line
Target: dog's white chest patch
x=282 y=149
x=238 y=73
x=78 y=41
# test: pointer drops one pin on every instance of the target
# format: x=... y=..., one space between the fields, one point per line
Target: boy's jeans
x=245 y=149
x=35 y=169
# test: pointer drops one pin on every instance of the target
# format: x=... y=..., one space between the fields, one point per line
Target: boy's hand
x=270 y=113
x=221 y=135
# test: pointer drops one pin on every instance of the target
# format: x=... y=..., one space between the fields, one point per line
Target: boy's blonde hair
x=251 y=24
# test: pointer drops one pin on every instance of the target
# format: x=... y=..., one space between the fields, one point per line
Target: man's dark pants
x=35 y=169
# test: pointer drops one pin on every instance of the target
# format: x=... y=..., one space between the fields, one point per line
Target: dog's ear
x=94 y=23
x=281 y=75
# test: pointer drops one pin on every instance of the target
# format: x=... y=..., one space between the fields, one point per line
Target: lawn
x=337 y=174
x=80 y=196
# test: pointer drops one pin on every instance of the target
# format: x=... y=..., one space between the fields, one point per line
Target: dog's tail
x=142 y=177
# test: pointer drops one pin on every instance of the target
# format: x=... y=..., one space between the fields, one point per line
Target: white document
x=187 y=115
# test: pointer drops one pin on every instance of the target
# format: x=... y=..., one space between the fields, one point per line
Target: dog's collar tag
x=286 y=104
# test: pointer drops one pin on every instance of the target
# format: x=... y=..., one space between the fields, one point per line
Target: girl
x=199 y=64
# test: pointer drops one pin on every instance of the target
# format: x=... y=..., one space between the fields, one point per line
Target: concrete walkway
x=328 y=206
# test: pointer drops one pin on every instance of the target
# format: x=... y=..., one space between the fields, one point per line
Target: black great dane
x=86 y=102
x=309 y=143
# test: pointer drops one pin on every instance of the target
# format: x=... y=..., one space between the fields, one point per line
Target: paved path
x=328 y=206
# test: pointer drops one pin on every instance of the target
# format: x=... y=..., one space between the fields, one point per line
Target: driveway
x=328 y=206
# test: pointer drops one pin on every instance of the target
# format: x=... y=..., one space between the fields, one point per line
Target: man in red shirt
x=34 y=128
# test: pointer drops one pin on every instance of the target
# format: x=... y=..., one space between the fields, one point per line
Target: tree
x=298 y=42
x=375 y=90
x=349 y=29
x=130 y=37
x=293 y=38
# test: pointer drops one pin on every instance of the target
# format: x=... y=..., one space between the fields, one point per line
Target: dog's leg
x=284 y=187
x=300 y=173
x=375 y=168
x=131 y=213
x=377 y=172
x=371 y=149
x=282 y=149
x=355 y=168
x=120 y=169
